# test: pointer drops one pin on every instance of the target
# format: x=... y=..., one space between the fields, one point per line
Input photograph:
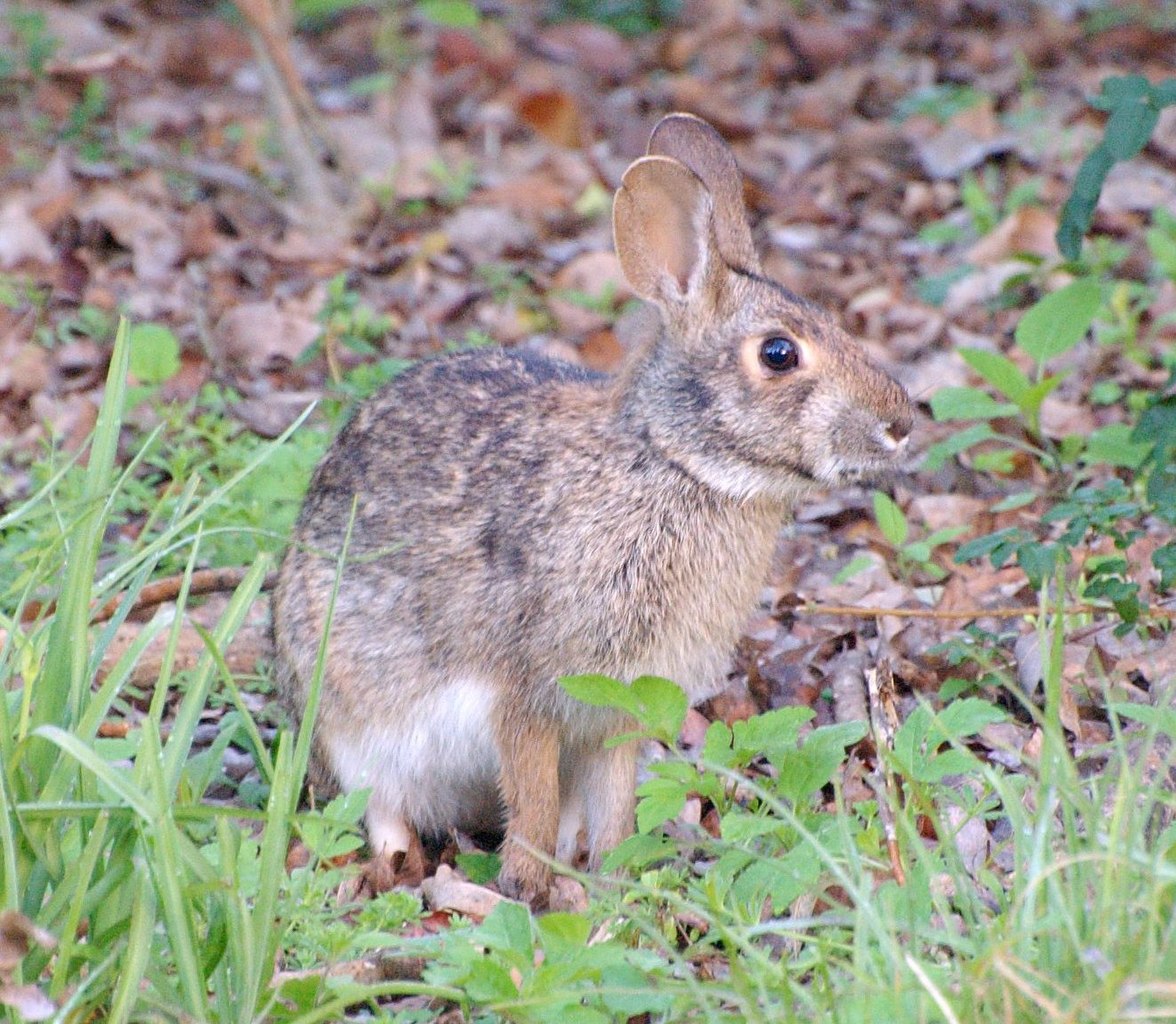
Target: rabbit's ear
x=663 y=226
x=693 y=142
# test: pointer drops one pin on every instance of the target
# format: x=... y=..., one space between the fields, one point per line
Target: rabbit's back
x=509 y=521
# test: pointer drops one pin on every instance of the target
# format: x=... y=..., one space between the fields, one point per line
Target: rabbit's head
x=751 y=389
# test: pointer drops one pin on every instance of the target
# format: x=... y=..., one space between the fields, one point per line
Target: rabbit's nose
x=897 y=433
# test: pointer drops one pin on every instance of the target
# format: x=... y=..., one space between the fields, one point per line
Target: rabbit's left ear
x=694 y=143
x=663 y=226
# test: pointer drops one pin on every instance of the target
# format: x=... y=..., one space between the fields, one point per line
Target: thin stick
x=812 y=608
x=204 y=581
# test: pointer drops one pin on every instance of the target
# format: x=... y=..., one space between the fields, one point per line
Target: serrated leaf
x=964 y=718
x=508 y=928
x=563 y=934
x=661 y=706
x=600 y=691
x=954 y=403
x=999 y=371
x=777 y=730
x=1058 y=321
x=890 y=519
x=804 y=771
x=660 y=800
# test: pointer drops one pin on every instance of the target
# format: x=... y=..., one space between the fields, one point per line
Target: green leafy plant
x=913 y=555
x=34 y=43
x=1053 y=326
x=629 y=17
x=1133 y=105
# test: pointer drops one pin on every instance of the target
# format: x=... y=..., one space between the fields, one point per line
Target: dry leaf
x=257 y=335
x=555 y=115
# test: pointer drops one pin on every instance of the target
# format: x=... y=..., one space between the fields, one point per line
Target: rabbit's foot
x=524 y=878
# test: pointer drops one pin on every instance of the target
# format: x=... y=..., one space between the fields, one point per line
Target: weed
x=456 y=181
x=914 y=556
x=629 y=17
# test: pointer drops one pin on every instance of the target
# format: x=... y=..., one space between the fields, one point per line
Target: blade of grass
x=179 y=743
x=139 y=949
x=168 y=873
x=80 y=878
x=63 y=681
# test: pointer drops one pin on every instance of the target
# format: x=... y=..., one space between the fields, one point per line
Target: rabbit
x=517 y=518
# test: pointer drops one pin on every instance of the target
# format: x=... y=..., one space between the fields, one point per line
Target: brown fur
x=518 y=519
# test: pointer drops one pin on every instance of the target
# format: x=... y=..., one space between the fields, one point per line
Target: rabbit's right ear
x=693 y=142
x=664 y=232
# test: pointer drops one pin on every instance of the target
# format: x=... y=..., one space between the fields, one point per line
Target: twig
x=325 y=198
x=204 y=581
x=208 y=172
x=811 y=608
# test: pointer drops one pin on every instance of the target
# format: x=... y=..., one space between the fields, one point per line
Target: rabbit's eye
x=779 y=354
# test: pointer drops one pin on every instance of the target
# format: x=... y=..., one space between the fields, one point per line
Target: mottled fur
x=517 y=519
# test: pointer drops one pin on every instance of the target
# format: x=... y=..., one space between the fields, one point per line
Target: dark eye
x=779 y=354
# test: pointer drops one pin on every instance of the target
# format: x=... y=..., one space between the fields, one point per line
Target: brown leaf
x=28 y=1000
x=447 y=891
x=597 y=49
x=257 y=335
x=22 y=239
x=555 y=115
x=155 y=245
x=18 y=935
x=1029 y=229
x=589 y=274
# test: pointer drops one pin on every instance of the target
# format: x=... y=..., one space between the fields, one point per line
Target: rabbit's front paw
x=524 y=878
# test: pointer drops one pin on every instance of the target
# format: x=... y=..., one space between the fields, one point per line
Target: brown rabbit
x=518 y=519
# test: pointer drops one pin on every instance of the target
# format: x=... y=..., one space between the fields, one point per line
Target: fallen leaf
x=446 y=891
x=1029 y=229
x=255 y=336
x=555 y=115
x=22 y=239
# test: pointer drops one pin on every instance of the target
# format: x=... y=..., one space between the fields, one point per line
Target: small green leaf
x=449 y=13
x=479 y=868
x=968 y=404
x=508 y=928
x=999 y=371
x=661 y=706
x=1058 y=321
x=938 y=454
x=1113 y=445
x=1079 y=209
x=660 y=800
x=600 y=691
x=1015 y=501
x=1032 y=399
x=1164 y=559
x=859 y=563
x=155 y=353
x=1038 y=561
x=1131 y=124
x=890 y=519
